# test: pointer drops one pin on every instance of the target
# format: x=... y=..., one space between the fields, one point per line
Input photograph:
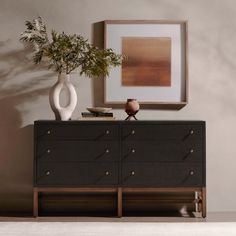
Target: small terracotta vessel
x=131 y=108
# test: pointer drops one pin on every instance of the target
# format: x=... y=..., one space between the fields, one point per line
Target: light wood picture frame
x=154 y=70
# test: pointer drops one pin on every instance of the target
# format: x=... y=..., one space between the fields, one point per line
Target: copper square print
x=148 y=61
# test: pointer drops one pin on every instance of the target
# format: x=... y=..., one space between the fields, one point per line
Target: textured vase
x=63 y=112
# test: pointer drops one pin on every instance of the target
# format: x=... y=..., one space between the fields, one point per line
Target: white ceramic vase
x=61 y=112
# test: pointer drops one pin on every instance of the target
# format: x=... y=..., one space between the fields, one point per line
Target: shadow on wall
x=16 y=167
x=98 y=87
x=16 y=142
x=98 y=83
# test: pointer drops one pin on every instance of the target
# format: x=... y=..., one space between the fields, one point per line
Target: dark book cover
x=98 y=114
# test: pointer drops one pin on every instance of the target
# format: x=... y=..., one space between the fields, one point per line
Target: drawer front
x=163 y=151
x=73 y=150
x=162 y=131
x=163 y=174
x=76 y=174
x=78 y=131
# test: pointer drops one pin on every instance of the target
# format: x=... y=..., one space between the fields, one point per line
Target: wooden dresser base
x=200 y=195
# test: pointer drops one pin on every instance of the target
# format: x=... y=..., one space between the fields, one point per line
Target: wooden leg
x=203 y=202
x=119 y=202
x=196 y=201
x=198 y=197
x=35 y=203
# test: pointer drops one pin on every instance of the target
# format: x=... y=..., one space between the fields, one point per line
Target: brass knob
x=48 y=172
x=191 y=172
x=107 y=151
x=132 y=172
x=107 y=132
x=191 y=131
x=107 y=173
x=133 y=132
x=48 y=151
x=49 y=132
x=133 y=150
x=191 y=151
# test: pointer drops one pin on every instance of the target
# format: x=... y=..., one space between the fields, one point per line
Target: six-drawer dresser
x=120 y=158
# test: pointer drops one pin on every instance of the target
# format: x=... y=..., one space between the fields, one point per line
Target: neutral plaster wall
x=24 y=87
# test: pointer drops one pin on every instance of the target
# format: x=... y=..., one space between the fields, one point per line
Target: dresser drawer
x=163 y=174
x=163 y=151
x=137 y=131
x=76 y=174
x=77 y=150
x=79 y=131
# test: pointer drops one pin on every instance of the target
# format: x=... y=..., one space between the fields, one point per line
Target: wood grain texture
x=204 y=210
x=159 y=190
x=133 y=200
x=77 y=189
x=145 y=21
x=119 y=202
x=35 y=202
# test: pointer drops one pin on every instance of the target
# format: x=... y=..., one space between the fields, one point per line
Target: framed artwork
x=154 y=69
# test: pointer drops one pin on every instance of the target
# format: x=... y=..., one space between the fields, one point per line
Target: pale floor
x=211 y=217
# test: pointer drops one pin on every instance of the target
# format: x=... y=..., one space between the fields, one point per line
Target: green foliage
x=65 y=52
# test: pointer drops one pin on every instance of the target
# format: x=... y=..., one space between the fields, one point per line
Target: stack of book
x=97 y=116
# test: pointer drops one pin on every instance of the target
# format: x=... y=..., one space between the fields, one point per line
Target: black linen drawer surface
x=163 y=174
x=77 y=150
x=73 y=174
x=161 y=154
x=163 y=151
x=83 y=131
x=156 y=131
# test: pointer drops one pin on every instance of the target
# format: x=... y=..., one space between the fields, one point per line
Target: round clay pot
x=131 y=106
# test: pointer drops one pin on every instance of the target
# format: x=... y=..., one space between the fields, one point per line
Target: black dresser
x=120 y=157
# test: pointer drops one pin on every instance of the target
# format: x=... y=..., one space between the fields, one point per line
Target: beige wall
x=24 y=87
